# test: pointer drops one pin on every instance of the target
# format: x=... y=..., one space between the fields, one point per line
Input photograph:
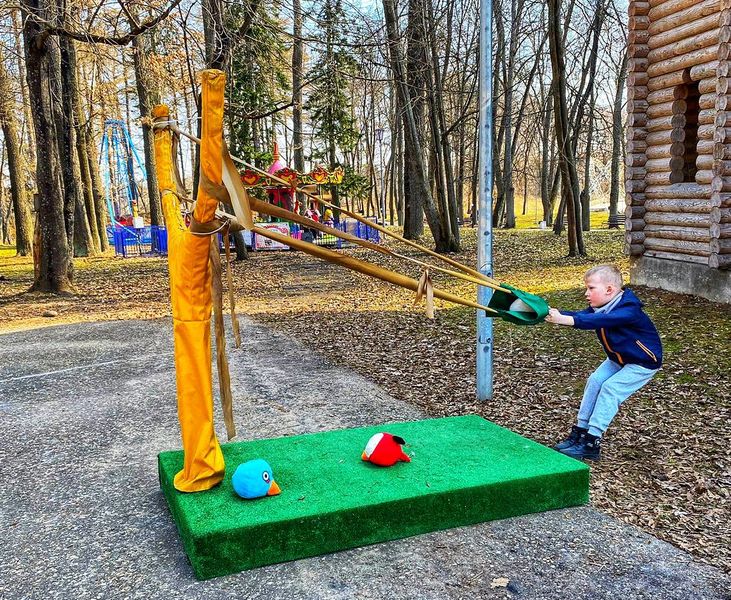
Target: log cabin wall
x=678 y=161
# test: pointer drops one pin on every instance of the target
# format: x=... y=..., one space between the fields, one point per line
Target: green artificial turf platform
x=463 y=470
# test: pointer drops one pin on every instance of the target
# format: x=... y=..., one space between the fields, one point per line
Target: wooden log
x=637 y=173
x=668 y=95
x=634 y=249
x=707 y=86
x=636 y=146
x=684 y=46
x=720 y=216
x=679 y=190
x=638 y=9
x=705 y=176
x=666 y=150
x=720 y=151
x=694 y=12
x=704 y=162
x=721 y=135
x=708 y=100
x=637 y=199
x=634 y=224
x=721 y=168
x=706 y=146
x=718 y=182
x=667 y=80
x=679 y=205
x=716 y=261
x=634 y=212
x=722 y=85
x=664 y=138
x=721 y=102
x=638 y=37
x=636 y=133
x=638 y=65
x=638 y=79
x=706 y=132
x=663 y=178
x=721 y=200
x=722 y=118
x=637 y=119
x=639 y=51
x=719 y=246
x=679 y=219
x=665 y=123
x=678 y=256
x=684 y=246
x=676 y=232
x=635 y=160
x=722 y=231
x=663 y=165
x=637 y=93
x=670 y=7
x=682 y=32
x=707 y=69
x=664 y=109
x=639 y=23
x=707 y=116
x=632 y=186
x=640 y=106
x=634 y=237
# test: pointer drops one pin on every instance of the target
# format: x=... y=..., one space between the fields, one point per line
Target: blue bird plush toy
x=253 y=479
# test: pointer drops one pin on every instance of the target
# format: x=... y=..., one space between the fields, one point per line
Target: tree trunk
x=147 y=98
x=567 y=159
x=617 y=150
x=55 y=266
x=298 y=64
x=77 y=225
x=97 y=190
x=16 y=164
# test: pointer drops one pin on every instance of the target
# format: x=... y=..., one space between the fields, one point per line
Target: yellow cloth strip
x=190 y=295
x=363 y=267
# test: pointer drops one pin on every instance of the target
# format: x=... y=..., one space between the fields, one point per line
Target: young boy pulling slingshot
x=634 y=355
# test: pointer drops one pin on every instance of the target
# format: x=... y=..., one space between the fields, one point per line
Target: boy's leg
x=614 y=391
x=592 y=389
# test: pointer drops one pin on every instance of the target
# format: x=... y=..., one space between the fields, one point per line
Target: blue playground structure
x=121 y=168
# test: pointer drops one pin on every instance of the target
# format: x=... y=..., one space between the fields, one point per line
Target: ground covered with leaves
x=666 y=465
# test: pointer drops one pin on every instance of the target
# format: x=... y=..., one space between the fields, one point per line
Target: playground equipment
x=121 y=169
x=195 y=283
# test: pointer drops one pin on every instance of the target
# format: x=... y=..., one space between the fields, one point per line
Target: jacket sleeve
x=616 y=318
x=573 y=313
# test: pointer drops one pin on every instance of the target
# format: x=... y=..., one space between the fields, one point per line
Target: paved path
x=86 y=408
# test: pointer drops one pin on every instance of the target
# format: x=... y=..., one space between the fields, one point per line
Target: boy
x=634 y=355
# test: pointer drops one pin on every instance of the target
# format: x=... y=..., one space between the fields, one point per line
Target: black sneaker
x=574 y=436
x=587 y=448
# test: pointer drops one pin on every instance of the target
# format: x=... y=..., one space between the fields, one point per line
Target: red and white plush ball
x=384 y=449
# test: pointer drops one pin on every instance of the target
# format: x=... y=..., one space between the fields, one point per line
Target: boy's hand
x=554 y=316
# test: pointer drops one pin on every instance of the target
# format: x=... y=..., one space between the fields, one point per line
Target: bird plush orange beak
x=273 y=489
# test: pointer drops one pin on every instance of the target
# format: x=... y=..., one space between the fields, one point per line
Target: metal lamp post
x=484 y=242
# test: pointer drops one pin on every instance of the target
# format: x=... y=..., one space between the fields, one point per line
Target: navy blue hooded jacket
x=626 y=333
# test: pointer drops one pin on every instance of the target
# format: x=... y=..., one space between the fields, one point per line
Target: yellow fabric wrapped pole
x=190 y=292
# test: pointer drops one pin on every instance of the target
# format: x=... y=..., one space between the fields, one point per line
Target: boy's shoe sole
x=581 y=456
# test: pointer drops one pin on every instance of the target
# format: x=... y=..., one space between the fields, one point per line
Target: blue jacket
x=626 y=333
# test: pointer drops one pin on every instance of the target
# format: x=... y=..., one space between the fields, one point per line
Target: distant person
x=328 y=218
x=634 y=354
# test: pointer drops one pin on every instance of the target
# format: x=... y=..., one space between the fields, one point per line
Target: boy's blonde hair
x=607 y=273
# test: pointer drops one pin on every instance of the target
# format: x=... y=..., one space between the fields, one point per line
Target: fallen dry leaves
x=666 y=467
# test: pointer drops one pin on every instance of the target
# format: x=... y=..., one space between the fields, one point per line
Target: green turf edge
x=237 y=549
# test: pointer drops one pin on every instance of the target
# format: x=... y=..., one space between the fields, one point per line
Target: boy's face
x=598 y=291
